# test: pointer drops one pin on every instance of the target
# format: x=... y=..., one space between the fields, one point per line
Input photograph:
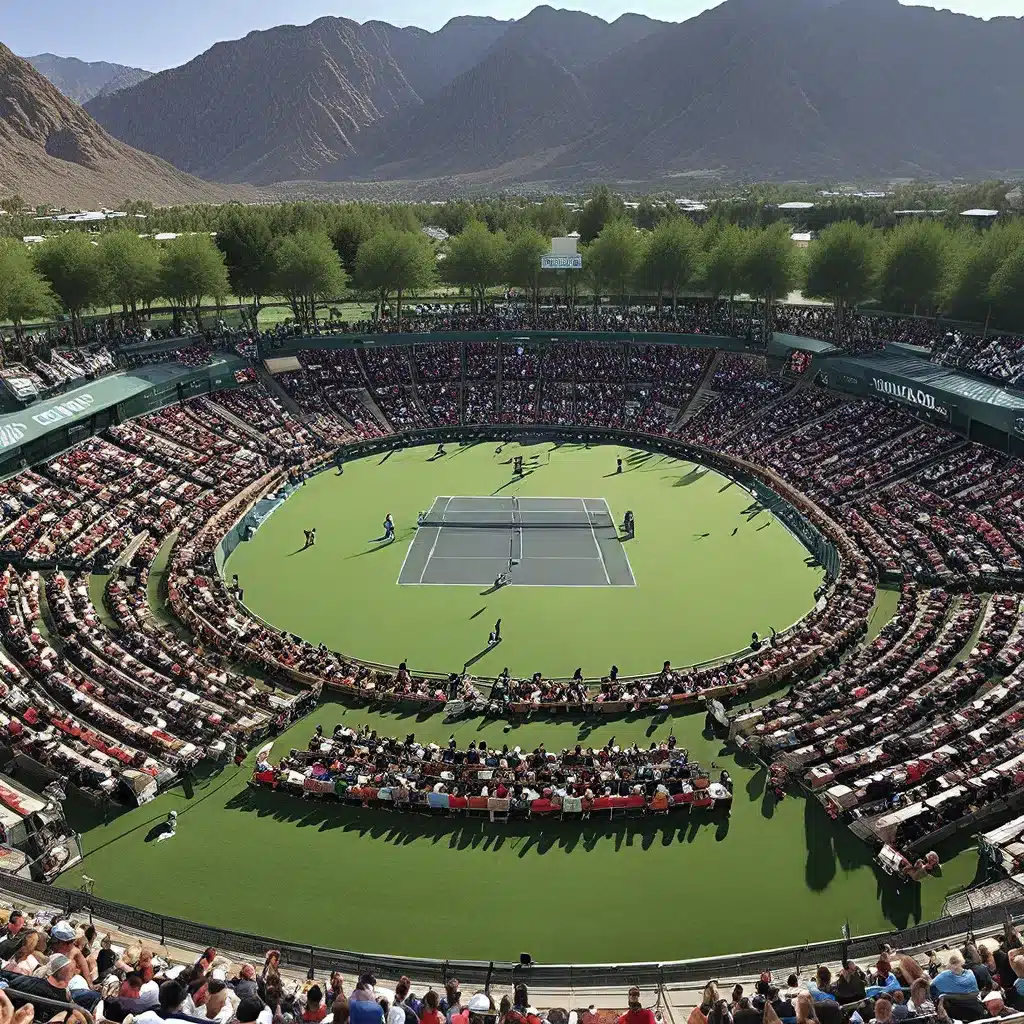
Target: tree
x=24 y=294
x=70 y=263
x=1006 y=289
x=393 y=263
x=724 y=263
x=612 y=259
x=973 y=260
x=13 y=204
x=770 y=268
x=353 y=226
x=250 y=251
x=193 y=268
x=523 y=263
x=131 y=269
x=308 y=269
x=600 y=209
x=669 y=258
x=476 y=260
x=841 y=266
x=913 y=267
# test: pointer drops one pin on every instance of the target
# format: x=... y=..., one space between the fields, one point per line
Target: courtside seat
x=458 y=803
x=660 y=803
x=635 y=802
x=572 y=805
x=542 y=806
x=438 y=801
x=478 y=803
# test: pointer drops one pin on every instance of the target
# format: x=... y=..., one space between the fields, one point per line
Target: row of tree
x=920 y=267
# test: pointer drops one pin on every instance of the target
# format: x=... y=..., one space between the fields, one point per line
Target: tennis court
x=540 y=542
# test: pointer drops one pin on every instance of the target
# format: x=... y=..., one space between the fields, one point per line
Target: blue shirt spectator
x=954 y=980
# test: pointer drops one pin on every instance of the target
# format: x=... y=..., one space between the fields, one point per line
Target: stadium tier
x=130 y=654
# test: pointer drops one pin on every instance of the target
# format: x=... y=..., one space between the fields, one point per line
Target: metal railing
x=178 y=930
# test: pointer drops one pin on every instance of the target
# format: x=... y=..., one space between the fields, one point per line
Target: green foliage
x=131 y=269
x=477 y=259
x=193 y=268
x=1006 y=289
x=724 y=259
x=841 y=266
x=353 y=226
x=913 y=267
x=669 y=258
x=250 y=252
x=394 y=262
x=602 y=208
x=71 y=264
x=612 y=259
x=308 y=270
x=523 y=262
x=24 y=294
x=975 y=258
x=770 y=264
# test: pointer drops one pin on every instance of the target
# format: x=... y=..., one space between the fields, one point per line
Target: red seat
x=458 y=803
x=636 y=800
x=542 y=806
x=603 y=803
x=478 y=803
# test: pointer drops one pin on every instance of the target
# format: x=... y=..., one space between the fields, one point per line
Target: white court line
x=408 y=550
x=542 y=586
x=532 y=558
x=437 y=537
x=593 y=533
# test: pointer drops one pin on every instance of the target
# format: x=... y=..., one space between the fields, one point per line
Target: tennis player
x=389 y=527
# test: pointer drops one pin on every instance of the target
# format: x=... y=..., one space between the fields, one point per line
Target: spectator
x=636 y=1013
x=430 y=1014
x=955 y=980
x=9 y=936
x=920 y=1004
x=363 y=1007
x=315 y=1010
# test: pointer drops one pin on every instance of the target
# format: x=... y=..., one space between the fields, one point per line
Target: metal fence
x=476 y=972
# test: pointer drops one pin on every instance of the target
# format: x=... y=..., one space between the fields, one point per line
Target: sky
x=158 y=34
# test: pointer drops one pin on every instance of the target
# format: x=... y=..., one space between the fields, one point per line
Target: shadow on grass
x=531 y=835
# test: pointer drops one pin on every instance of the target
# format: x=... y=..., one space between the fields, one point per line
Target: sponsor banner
x=561 y=262
x=64 y=410
x=909 y=395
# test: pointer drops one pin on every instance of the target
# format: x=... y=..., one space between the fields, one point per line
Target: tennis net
x=515 y=520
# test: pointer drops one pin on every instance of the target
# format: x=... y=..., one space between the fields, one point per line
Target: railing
x=173 y=929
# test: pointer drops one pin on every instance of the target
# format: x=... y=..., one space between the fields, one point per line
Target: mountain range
x=81 y=80
x=751 y=89
x=52 y=151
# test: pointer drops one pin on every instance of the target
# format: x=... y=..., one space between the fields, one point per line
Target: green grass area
x=633 y=889
x=708 y=571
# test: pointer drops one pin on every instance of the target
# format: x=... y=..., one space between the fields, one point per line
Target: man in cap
x=52 y=985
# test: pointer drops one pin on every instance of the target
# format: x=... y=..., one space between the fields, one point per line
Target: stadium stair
x=375 y=411
x=701 y=397
x=268 y=380
x=236 y=421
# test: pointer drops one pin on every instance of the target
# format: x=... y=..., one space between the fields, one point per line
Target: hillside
x=81 y=80
x=275 y=105
x=766 y=89
x=51 y=151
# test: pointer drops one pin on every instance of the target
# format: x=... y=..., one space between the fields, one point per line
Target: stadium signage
x=11 y=433
x=912 y=396
x=561 y=262
x=64 y=410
